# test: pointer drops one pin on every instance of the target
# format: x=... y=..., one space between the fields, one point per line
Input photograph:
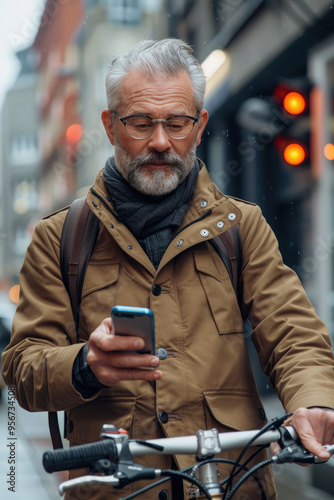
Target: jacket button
x=162 y=353
x=163 y=417
x=156 y=290
x=163 y=495
x=69 y=426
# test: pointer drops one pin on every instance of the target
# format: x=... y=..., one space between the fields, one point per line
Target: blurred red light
x=294 y=154
x=74 y=132
x=329 y=151
x=294 y=103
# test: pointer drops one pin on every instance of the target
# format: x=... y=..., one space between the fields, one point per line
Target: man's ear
x=202 y=121
x=108 y=123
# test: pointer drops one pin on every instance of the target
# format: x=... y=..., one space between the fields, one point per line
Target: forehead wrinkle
x=140 y=95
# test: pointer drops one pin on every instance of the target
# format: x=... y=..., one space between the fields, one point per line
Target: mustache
x=171 y=159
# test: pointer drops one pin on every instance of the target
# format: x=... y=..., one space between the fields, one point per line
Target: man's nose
x=159 y=140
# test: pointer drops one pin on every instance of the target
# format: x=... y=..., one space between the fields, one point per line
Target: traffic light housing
x=292 y=98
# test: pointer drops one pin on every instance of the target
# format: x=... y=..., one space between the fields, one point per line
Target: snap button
x=130 y=247
x=163 y=417
x=204 y=233
x=162 y=353
x=163 y=495
x=112 y=226
x=220 y=224
x=156 y=290
x=179 y=243
x=69 y=426
x=232 y=216
x=204 y=204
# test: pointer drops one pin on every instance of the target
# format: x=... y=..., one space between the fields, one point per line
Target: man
x=158 y=210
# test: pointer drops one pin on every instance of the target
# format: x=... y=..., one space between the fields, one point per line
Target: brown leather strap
x=77 y=241
x=75 y=254
x=54 y=430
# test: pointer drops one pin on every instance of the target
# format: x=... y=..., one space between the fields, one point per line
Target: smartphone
x=136 y=322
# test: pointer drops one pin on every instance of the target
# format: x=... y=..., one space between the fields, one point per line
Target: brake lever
x=85 y=480
x=294 y=451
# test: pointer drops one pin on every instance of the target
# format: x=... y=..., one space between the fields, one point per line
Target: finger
x=310 y=429
x=131 y=360
x=275 y=448
x=109 y=342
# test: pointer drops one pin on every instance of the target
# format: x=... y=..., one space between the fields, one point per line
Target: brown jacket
x=207 y=376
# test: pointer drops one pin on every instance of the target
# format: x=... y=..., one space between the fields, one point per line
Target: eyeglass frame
x=154 y=121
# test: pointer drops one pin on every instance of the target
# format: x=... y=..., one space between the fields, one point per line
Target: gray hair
x=166 y=57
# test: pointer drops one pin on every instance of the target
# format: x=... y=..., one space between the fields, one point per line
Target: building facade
x=20 y=162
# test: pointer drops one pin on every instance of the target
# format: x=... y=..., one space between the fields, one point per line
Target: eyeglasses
x=142 y=126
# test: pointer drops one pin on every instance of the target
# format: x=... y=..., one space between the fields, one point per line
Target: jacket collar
x=210 y=213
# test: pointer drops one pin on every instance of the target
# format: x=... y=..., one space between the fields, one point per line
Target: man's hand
x=315 y=427
x=110 y=360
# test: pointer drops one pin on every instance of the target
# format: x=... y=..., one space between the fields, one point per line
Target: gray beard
x=161 y=182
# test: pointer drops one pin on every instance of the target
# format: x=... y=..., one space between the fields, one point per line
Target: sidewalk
x=21 y=455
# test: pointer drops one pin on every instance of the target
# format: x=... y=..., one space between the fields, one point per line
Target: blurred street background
x=270 y=140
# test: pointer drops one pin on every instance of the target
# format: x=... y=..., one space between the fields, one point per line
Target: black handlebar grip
x=80 y=456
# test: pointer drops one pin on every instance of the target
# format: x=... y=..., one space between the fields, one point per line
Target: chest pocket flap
x=100 y=274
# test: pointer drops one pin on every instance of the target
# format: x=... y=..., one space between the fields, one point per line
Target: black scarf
x=151 y=219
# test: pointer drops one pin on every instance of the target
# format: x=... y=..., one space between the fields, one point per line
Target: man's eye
x=174 y=126
x=142 y=125
x=176 y=123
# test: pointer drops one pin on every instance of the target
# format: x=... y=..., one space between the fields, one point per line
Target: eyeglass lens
x=177 y=127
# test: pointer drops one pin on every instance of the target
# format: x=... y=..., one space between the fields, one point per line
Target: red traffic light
x=294 y=103
x=294 y=154
x=292 y=96
x=292 y=151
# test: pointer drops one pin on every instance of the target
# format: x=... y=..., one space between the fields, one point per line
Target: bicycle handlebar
x=85 y=455
x=112 y=456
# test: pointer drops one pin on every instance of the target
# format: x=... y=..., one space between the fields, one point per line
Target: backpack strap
x=78 y=237
x=76 y=245
x=54 y=430
x=229 y=247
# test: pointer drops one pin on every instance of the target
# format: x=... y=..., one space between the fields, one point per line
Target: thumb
x=275 y=448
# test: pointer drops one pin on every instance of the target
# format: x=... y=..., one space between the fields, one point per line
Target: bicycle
x=112 y=457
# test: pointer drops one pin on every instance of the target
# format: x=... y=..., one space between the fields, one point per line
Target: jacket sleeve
x=39 y=359
x=292 y=343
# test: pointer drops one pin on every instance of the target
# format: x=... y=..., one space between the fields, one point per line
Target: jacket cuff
x=83 y=379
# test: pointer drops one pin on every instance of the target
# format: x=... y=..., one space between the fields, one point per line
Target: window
x=24 y=149
x=124 y=11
